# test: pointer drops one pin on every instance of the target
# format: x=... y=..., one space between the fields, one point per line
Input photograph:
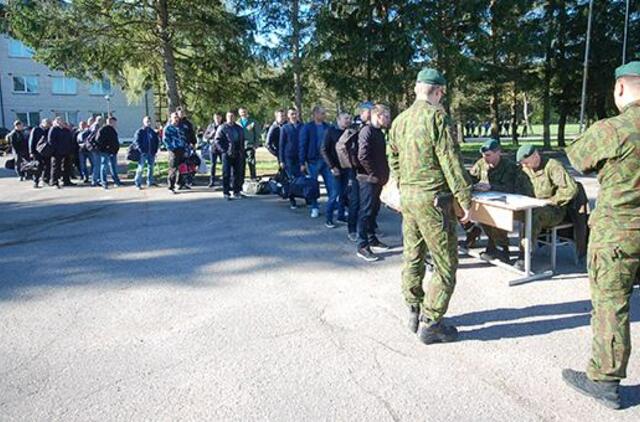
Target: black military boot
x=436 y=332
x=473 y=232
x=414 y=318
x=606 y=392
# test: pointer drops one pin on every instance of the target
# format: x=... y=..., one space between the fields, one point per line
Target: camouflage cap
x=629 y=69
x=431 y=77
x=490 y=145
x=525 y=151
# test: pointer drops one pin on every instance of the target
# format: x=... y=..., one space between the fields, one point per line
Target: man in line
x=288 y=149
x=311 y=162
x=175 y=142
x=431 y=176
x=83 y=153
x=546 y=178
x=61 y=140
x=214 y=154
x=493 y=172
x=611 y=148
x=108 y=145
x=251 y=135
x=372 y=175
x=340 y=176
x=273 y=135
x=40 y=134
x=230 y=140
x=19 y=146
x=187 y=127
x=147 y=141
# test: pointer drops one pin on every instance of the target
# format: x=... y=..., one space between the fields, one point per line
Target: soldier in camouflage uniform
x=546 y=179
x=429 y=170
x=494 y=173
x=611 y=148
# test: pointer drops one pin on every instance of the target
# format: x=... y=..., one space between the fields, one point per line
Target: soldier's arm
x=565 y=184
x=474 y=172
x=508 y=180
x=523 y=185
x=451 y=162
x=594 y=147
x=393 y=155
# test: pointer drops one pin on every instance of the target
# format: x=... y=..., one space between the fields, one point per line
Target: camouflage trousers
x=614 y=267
x=426 y=228
x=497 y=237
x=544 y=218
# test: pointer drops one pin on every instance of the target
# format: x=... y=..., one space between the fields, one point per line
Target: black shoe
x=437 y=332
x=22 y=178
x=211 y=185
x=237 y=195
x=414 y=318
x=36 y=186
x=606 y=392
x=491 y=254
x=172 y=189
x=57 y=186
x=367 y=255
x=378 y=246
x=472 y=237
x=68 y=184
x=227 y=197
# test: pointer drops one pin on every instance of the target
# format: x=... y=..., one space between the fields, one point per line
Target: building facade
x=30 y=91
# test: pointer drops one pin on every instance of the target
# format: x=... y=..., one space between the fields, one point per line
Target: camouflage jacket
x=551 y=182
x=611 y=148
x=422 y=153
x=501 y=178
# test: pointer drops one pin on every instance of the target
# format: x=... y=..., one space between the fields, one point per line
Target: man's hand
x=303 y=168
x=335 y=171
x=482 y=187
x=466 y=216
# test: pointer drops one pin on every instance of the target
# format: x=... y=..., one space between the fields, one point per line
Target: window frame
x=65 y=83
x=23 y=53
x=26 y=84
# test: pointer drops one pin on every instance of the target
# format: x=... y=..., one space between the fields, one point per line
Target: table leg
x=528 y=243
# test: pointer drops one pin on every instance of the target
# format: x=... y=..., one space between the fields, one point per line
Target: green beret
x=629 y=69
x=490 y=145
x=431 y=77
x=525 y=151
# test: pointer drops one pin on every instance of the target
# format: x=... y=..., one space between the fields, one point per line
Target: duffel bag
x=133 y=153
x=305 y=187
x=10 y=164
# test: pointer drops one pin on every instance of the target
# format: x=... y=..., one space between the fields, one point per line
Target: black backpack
x=347 y=149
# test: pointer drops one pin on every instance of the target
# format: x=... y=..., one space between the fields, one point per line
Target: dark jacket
x=210 y=133
x=328 y=149
x=230 y=139
x=18 y=142
x=147 y=141
x=61 y=140
x=273 y=139
x=187 y=129
x=372 y=155
x=36 y=136
x=289 y=140
x=107 y=139
x=309 y=143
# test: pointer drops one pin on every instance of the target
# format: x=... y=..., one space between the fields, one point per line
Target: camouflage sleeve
x=523 y=185
x=392 y=154
x=475 y=172
x=597 y=145
x=451 y=162
x=566 y=186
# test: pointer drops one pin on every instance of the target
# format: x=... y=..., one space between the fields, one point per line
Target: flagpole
x=626 y=30
x=586 y=68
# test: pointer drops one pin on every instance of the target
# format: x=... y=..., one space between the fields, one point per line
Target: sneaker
x=414 y=318
x=227 y=197
x=330 y=225
x=342 y=220
x=367 y=255
x=353 y=237
x=293 y=207
x=68 y=184
x=378 y=246
x=211 y=185
x=138 y=187
x=606 y=392
x=315 y=213
x=437 y=332
x=237 y=195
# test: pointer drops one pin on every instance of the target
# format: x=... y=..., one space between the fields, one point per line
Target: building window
x=63 y=85
x=29 y=119
x=18 y=49
x=70 y=117
x=25 y=84
x=102 y=87
x=103 y=114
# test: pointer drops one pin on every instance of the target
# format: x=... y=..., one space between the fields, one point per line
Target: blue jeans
x=320 y=168
x=95 y=167
x=354 y=200
x=83 y=157
x=150 y=160
x=109 y=161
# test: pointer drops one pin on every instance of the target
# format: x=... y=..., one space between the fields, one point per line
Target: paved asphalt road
x=128 y=305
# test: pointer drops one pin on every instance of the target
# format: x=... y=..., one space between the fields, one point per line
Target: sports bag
x=133 y=153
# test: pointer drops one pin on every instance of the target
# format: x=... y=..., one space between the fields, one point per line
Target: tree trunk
x=168 y=59
x=495 y=111
x=562 y=123
x=514 y=114
x=525 y=113
x=546 y=91
x=297 y=65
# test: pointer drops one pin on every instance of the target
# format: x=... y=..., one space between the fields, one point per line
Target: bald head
x=626 y=91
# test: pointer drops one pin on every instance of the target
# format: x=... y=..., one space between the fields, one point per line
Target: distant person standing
x=175 y=142
x=372 y=175
x=611 y=149
x=273 y=135
x=340 y=175
x=147 y=141
x=215 y=155
x=230 y=140
x=38 y=135
x=311 y=138
x=61 y=140
x=108 y=145
x=288 y=149
x=83 y=153
x=187 y=127
x=251 y=135
x=19 y=146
